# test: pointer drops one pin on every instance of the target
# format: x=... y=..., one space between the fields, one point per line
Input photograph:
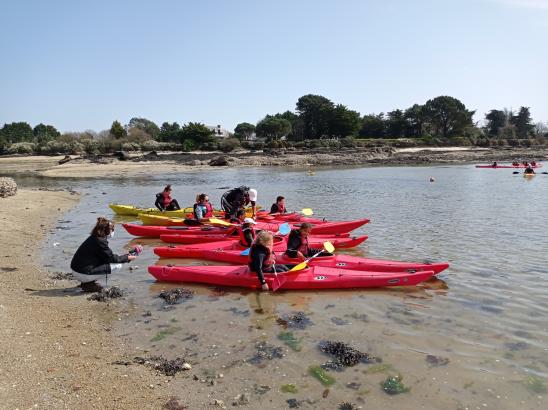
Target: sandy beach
x=56 y=349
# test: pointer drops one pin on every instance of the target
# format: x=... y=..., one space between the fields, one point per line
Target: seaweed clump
x=173 y=296
x=290 y=340
x=345 y=355
x=347 y=406
x=294 y=320
x=394 y=385
x=323 y=377
x=173 y=404
x=163 y=365
x=266 y=351
x=106 y=294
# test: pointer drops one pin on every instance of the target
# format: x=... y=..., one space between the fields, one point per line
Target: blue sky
x=80 y=65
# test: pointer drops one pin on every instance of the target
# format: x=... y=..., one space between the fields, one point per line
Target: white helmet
x=253 y=195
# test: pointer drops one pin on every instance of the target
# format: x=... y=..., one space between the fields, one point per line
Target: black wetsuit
x=234 y=200
x=295 y=244
x=94 y=257
x=260 y=262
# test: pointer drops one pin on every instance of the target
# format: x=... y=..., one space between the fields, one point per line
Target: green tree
x=414 y=116
x=16 y=132
x=396 y=124
x=44 y=133
x=373 y=126
x=145 y=125
x=244 y=130
x=523 y=123
x=196 y=132
x=273 y=128
x=344 y=122
x=117 y=131
x=297 y=125
x=170 y=132
x=496 y=120
x=447 y=116
x=315 y=111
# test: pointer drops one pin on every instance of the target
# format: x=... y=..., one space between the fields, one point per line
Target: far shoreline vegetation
x=316 y=123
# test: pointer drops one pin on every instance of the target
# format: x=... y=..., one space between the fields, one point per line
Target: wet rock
x=265 y=352
x=241 y=400
x=344 y=354
x=220 y=161
x=331 y=365
x=294 y=320
x=62 y=276
x=173 y=404
x=261 y=389
x=325 y=393
x=173 y=296
x=122 y=155
x=436 y=361
x=293 y=403
x=339 y=322
x=8 y=187
x=163 y=365
x=106 y=294
x=353 y=385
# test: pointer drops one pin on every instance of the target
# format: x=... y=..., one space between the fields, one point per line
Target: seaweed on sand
x=290 y=340
x=173 y=296
x=294 y=320
x=345 y=354
x=106 y=294
x=394 y=385
x=163 y=365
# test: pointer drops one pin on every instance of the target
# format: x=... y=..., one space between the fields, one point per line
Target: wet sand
x=56 y=349
x=169 y=162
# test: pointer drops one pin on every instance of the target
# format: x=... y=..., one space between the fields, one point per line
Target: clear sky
x=82 y=64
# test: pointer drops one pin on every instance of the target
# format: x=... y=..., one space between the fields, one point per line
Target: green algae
x=162 y=334
x=321 y=375
x=290 y=340
x=393 y=385
x=289 y=388
x=380 y=368
x=535 y=384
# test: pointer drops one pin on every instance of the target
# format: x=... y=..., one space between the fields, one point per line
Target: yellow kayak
x=130 y=210
x=159 y=220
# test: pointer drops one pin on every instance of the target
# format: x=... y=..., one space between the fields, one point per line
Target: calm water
x=486 y=314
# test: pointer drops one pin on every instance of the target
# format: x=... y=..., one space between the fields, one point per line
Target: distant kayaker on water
x=495 y=164
x=529 y=171
x=261 y=257
x=533 y=163
x=297 y=243
x=164 y=202
x=238 y=198
x=94 y=259
x=279 y=206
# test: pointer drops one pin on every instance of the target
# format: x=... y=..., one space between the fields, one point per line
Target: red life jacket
x=281 y=209
x=209 y=213
x=243 y=240
x=304 y=246
x=167 y=198
x=268 y=262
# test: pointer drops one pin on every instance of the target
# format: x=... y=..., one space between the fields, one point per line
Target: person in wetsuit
x=238 y=198
x=94 y=259
x=164 y=202
x=261 y=258
x=279 y=206
x=297 y=243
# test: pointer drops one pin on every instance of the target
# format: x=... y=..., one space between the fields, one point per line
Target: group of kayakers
x=94 y=259
x=524 y=163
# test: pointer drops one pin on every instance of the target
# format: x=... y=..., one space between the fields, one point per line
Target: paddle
x=307 y=212
x=328 y=246
x=216 y=221
x=283 y=230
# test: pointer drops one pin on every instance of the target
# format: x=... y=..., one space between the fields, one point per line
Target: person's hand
x=131 y=257
x=264 y=286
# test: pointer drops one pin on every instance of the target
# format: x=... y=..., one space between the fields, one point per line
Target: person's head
x=280 y=200
x=103 y=228
x=253 y=195
x=240 y=215
x=265 y=239
x=249 y=222
x=167 y=188
x=305 y=229
x=202 y=198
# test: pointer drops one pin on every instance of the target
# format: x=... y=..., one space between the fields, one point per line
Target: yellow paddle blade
x=215 y=221
x=328 y=246
x=307 y=212
x=300 y=266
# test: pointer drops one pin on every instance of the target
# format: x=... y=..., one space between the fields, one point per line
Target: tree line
x=315 y=117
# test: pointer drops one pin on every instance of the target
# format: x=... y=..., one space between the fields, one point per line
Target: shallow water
x=486 y=314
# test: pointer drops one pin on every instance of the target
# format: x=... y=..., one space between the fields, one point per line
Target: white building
x=219 y=131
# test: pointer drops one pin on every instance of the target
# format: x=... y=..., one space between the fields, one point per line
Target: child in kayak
x=94 y=259
x=238 y=198
x=247 y=232
x=297 y=243
x=261 y=257
x=164 y=202
x=279 y=206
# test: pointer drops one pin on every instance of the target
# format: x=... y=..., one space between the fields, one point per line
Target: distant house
x=219 y=131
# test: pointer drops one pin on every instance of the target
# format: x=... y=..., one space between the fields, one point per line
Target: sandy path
x=55 y=352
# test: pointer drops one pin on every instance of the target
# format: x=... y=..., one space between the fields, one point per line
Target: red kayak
x=509 y=166
x=289 y=217
x=335 y=261
x=314 y=277
x=196 y=250
x=188 y=239
x=151 y=231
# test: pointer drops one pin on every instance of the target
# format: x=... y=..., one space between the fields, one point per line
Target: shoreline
x=159 y=163
x=56 y=349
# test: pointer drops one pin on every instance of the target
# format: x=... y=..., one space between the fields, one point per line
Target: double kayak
x=509 y=166
x=335 y=261
x=314 y=277
x=130 y=210
x=197 y=249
